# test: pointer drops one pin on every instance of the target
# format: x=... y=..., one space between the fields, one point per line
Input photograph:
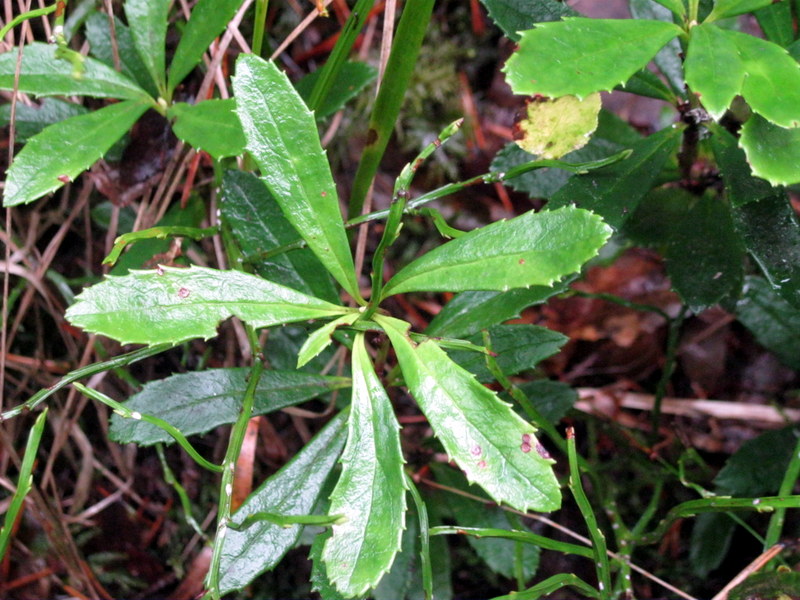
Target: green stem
x=669 y=366
x=31 y=14
x=229 y=469
x=424 y=539
x=787 y=485
x=286 y=520
x=169 y=477
x=525 y=537
x=160 y=233
x=259 y=25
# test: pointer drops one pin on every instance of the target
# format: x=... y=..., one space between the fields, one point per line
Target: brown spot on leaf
x=183 y=293
x=372 y=137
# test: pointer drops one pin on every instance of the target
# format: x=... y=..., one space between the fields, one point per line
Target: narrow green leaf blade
x=208 y=19
x=197 y=402
x=487 y=440
x=614 y=191
x=371 y=491
x=42 y=74
x=293 y=490
x=65 y=149
x=175 y=305
x=592 y=55
x=211 y=125
x=772 y=151
x=730 y=8
x=350 y=80
x=532 y=249
x=282 y=137
x=148 y=20
x=258 y=224
x=677 y=7
x=772 y=85
x=714 y=69
x=513 y=16
x=321 y=339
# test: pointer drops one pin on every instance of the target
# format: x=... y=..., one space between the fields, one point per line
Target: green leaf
x=593 y=55
x=321 y=338
x=554 y=127
x=258 y=225
x=669 y=59
x=175 y=305
x=758 y=467
x=553 y=399
x=513 y=16
x=199 y=401
x=469 y=312
x=148 y=20
x=677 y=7
x=320 y=582
x=741 y=186
x=498 y=554
x=42 y=74
x=283 y=345
x=211 y=125
x=517 y=347
x=350 y=80
x=532 y=249
x=614 y=191
x=282 y=138
x=98 y=34
x=773 y=321
x=293 y=490
x=714 y=69
x=209 y=18
x=772 y=151
x=371 y=491
x=771 y=234
x=487 y=440
x=775 y=21
x=772 y=85
x=65 y=149
x=31 y=120
x=712 y=534
x=646 y=83
x=730 y=8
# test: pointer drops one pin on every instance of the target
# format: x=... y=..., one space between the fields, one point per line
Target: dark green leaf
x=669 y=58
x=614 y=191
x=174 y=305
x=283 y=345
x=553 y=399
x=518 y=348
x=513 y=16
x=282 y=138
x=199 y=401
x=98 y=34
x=730 y=8
x=776 y=22
x=712 y=534
x=469 y=312
x=31 y=120
x=351 y=79
x=771 y=235
x=258 y=224
x=768 y=584
x=293 y=490
x=498 y=554
x=371 y=491
x=714 y=69
x=677 y=7
x=758 y=467
x=741 y=186
x=65 y=149
x=532 y=249
x=148 y=22
x=772 y=151
x=211 y=125
x=208 y=20
x=646 y=83
x=42 y=74
x=319 y=574
x=487 y=440
x=774 y=322
x=593 y=55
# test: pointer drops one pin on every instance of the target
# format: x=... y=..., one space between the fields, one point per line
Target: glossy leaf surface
x=487 y=440
x=208 y=19
x=614 y=191
x=321 y=338
x=64 y=150
x=42 y=74
x=776 y=22
x=730 y=8
x=350 y=80
x=774 y=322
x=30 y=120
x=517 y=347
x=174 y=305
x=469 y=312
x=211 y=125
x=148 y=20
x=772 y=151
x=282 y=138
x=677 y=7
x=532 y=249
x=197 y=402
x=513 y=16
x=371 y=490
x=293 y=490
x=741 y=186
x=771 y=234
x=553 y=399
x=669 y=59
x=258 y=224
x=592 y=55
x=713 y=68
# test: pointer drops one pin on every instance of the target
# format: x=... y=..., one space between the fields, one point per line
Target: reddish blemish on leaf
x=482 y=464
x=63 y=178
x=183 y=293
x=525 y=447
x=159 y=270
x=522 y=261
x=526 y=438
x=324 y=194
x=542 y=451
x=476 y=451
